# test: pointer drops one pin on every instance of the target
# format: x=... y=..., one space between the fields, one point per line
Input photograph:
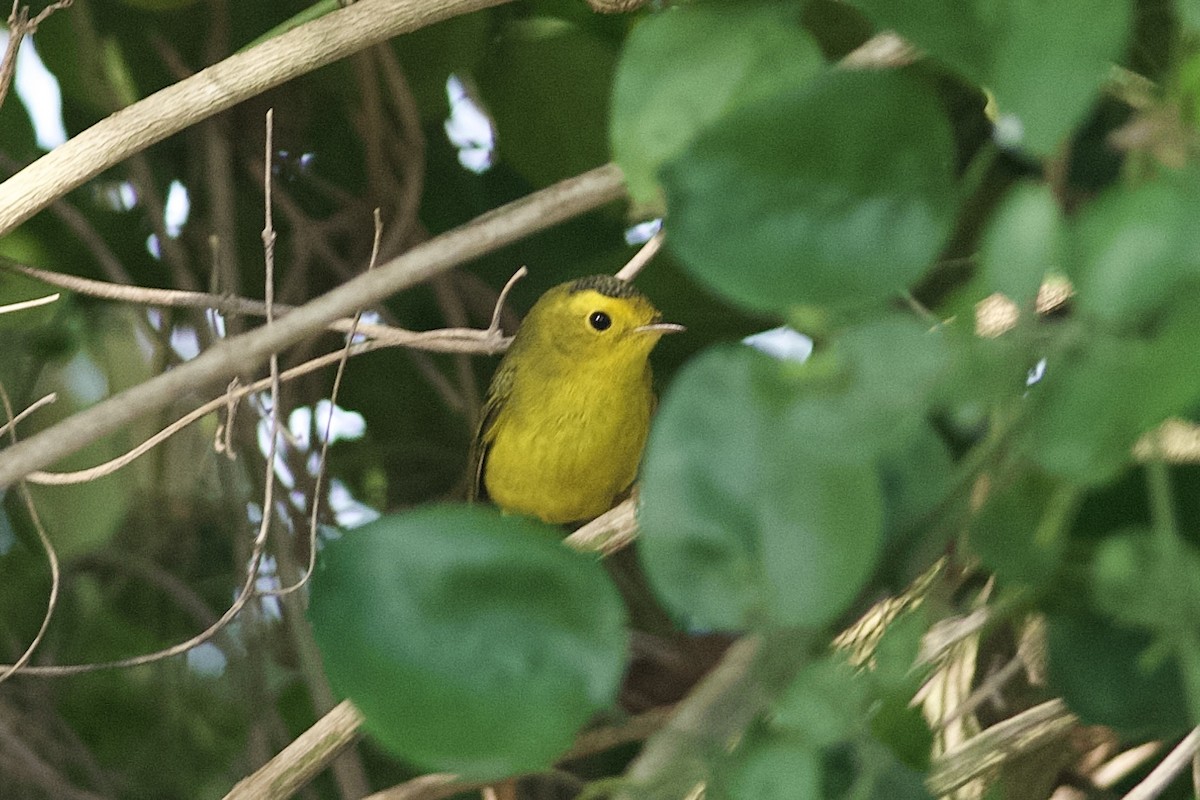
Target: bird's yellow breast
x=578 y=451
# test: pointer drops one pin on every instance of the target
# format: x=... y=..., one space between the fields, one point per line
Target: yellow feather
x=568 y=411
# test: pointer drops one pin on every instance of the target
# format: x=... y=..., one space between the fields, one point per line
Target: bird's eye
x=600 y=321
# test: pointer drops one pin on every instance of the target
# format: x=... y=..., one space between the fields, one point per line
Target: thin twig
x=443 y=340
x=24 y=304
x=321 y=462
x=42 y=401
x=47 y=547
x=642 y=257
x=268 y=239
x=20 y=26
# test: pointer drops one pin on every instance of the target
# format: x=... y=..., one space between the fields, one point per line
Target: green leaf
x=1093 y=402
x=767 y=767
x=1149 y=581
x=546 y=83
x=825 y=704
x=868 y=771
x=686 y=66
x=1109 y=675
x=1021 y=534
x=1023 y=243
x=744 y=524
x=1136 y=246
x=839 y=192
x=471 y=642
x=1044 y=65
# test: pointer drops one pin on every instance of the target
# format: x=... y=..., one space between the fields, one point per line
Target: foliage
x=1013 y=146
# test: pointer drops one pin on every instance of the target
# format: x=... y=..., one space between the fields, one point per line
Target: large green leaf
x=1023 y=243
x=1136 y=246
x=1044 y=63
x=471 y=642
x=770 y=767
x=743 y=523
x=1110 y=675
x=839 y=192
x=685 y=67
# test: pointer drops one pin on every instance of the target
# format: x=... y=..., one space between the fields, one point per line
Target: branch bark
x=210 y=91
x=484 y=234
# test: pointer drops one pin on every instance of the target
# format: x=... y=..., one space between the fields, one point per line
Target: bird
x=568 y=411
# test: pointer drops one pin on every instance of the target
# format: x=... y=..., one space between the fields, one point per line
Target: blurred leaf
x=1023 y=243
x=471 y=642
x=1020 y=534
x=1044 y=65
x=546 y=84
x=1136 y=246
x=836 y=193
x=766 y=767
x=865 y=770
x=1110 y=675
x=825 y=704
x=917 y=476
x=686 y=66
x=1093 y=402
x=1147 y=580
x=744 y=524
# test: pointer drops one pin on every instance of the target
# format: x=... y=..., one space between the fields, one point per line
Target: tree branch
x=484 y=234
x=237 y=78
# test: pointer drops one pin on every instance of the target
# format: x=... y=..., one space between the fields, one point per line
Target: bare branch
x=1168 y=769
x=218 y=364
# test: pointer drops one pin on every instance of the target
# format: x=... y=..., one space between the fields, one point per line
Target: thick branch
x=489 y=232
x=210 y=91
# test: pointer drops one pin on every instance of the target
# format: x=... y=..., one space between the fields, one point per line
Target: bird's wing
x=498 y=394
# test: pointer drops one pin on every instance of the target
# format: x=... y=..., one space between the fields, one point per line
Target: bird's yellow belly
x=568 y=471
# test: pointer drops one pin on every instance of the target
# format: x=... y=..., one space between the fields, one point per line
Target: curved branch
x=237 y=78
x=484 y=234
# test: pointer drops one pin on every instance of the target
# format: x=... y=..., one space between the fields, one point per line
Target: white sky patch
x=153 y=247
x=782 y=343
x=263 y=431
x=206 y=660
x=267 y=581
x=84 y=380
x=641 y=233
x=185 y=342
x=216 y=321
x=346 y=425
x=179 y=205
x=469 y=128
x=1036 y=373
x=39 y=93
x=348 y=512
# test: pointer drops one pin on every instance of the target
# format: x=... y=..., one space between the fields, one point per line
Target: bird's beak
x=660 y=328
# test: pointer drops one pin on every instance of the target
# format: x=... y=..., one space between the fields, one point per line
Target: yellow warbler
x=567 y=413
